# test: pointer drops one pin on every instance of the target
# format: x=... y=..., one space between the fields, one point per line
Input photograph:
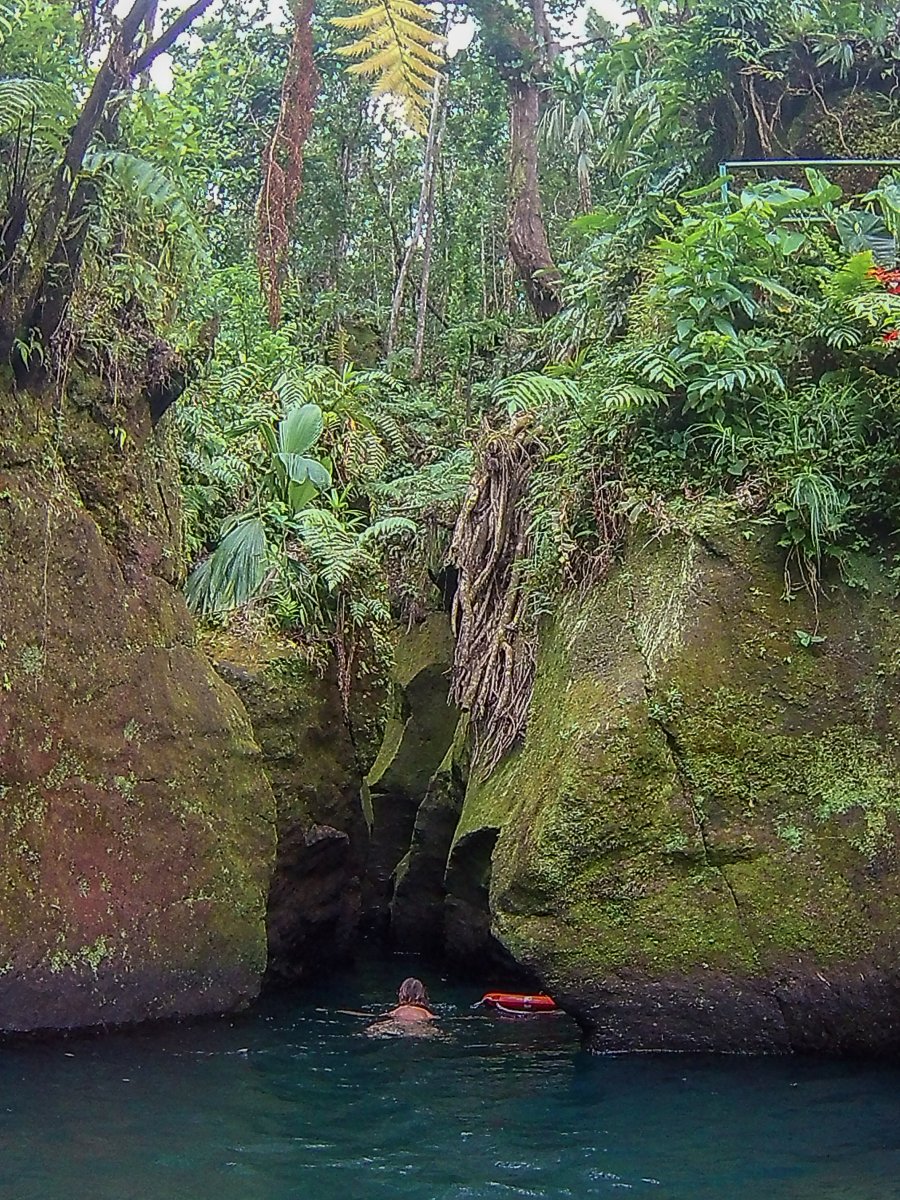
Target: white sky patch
x=459 y=37
x=611 y=9
x=161 y=73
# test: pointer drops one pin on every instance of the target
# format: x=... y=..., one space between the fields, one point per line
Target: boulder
x=417 y=906
x=419 y=732
x=137 y=825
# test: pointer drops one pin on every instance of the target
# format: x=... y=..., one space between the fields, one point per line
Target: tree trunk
x=441 y=112
x=426 y=191
x=282 y=183
x=39 y=279
x=25 y=268
x=528 y=242
x=523 y=50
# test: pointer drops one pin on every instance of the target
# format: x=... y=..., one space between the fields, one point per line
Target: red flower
x=891 y=335
x=889 y=278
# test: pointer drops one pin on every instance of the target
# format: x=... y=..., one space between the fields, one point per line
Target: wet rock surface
x=316 y=770
x=410 y=812
x=695 y=848
x=136 y=822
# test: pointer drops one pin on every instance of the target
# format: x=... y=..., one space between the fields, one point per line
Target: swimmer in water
x=412 y=1003
x=411 y=1016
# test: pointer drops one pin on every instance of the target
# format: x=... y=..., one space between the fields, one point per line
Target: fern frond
x=628 y=397
x=43 y=108
x=396 y=51
x=291 y=390
x=19 y=98
x=147 y=183
x=386 y=529
x=533 y=390
x=841 y=336
x=364 y=457
x=332 y=547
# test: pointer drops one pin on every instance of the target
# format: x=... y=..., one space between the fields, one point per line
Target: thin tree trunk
x=342 y=238
x=484 y=303
x=386 y=208
x=426 y=190
x=495 y=294
x=522 y=55
x=419 y=352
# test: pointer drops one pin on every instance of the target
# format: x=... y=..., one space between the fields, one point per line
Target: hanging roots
x=494 y=661
x=283 y=159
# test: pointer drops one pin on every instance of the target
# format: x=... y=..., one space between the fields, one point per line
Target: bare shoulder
x=411 y=1012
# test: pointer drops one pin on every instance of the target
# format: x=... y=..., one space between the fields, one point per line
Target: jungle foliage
x=444 y=343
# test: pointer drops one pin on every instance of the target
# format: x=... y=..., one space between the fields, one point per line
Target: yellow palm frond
x=396 y=48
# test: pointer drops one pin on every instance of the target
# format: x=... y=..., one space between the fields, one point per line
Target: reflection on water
x=294 y=1102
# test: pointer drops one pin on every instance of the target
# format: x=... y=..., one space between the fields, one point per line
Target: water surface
x=293 y=1102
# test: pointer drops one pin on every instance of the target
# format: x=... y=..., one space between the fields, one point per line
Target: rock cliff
x=138 y=828
x=696 y=846
x=316 y=763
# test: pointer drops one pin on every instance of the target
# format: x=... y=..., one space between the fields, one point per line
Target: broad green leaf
x=791 y=240
x=300 y=429
x=301 y=494
x=300 y=469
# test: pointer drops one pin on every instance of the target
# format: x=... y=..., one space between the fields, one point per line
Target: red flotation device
x=514 y=1002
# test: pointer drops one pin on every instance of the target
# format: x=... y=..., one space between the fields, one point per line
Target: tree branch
x=114 y=71
x=169 y=36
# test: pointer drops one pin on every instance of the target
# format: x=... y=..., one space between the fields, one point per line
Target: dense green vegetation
x=541 y=295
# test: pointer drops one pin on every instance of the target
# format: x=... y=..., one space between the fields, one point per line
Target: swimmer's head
x=412 y=991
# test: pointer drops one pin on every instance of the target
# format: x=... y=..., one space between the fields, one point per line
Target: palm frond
x=395 y=49
x=234 y=571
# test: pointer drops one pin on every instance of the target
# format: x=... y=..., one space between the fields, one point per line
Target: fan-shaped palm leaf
x=234 y=571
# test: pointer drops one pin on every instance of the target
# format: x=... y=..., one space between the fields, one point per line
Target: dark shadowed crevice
x=470 y=944
x=313 y=905
x=423 y=732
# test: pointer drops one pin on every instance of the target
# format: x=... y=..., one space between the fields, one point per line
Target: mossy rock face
x=696 y=846
x=314 y=764
x=136 y=820
x=855 y=124
x=419 y=733
x=417 y=906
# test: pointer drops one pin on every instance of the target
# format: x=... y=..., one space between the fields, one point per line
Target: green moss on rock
x=699 y=797
x=139 y=823
x=313 y=761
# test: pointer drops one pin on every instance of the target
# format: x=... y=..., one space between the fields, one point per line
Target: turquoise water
x=294 y=1102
